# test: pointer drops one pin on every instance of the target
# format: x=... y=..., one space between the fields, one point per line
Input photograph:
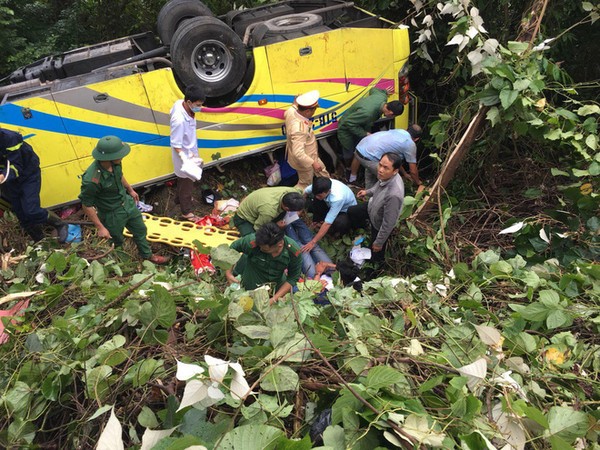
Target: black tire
x=292 y=23
x=174 y=12
x=208 y=53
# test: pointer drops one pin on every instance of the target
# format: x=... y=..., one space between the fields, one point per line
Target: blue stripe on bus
x=323 y=103
x=55 y=124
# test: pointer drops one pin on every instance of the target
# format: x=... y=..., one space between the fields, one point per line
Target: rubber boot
x=36 y=232
x=61 y=228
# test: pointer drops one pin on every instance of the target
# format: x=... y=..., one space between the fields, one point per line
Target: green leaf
x=143 y=371
x=586 y=110
x=566 y=423
x=476 y=441
x=223 y=256
x=163 y=306
x=111 y=353
x=177 y=443
x=566 y=114
x=592 y=141
x=555 y=172
x=56 y=261
x=431 y=383
x=382 y=376
x=559 y=444
x=334 y=437
x=501 y=268
x=488 y=97
x=553 y=134
x=535 y=415
x=557 y=319
x=147 y=418
x=549 y=297
x=280 y=379
x=97 y=271
x=517 y=47
x=100 y=411
x=587 y=6
x=535 y=312
x=521 y=85
x=251 y=437
x=493 y=115
x=255 y=331
x=96 y=383
x=508 y=97
x=21 y=430
x=17 y=399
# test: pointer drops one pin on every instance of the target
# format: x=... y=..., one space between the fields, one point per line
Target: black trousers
x=340 y=226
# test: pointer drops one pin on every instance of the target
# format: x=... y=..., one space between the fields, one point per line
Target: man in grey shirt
x=385 y=205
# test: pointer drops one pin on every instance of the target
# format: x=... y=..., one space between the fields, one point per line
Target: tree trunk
x=530 y=27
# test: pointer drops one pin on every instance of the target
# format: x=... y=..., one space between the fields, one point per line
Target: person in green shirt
x=109 y=200
x=266 y=205
x=357 y=122
x=268 y=256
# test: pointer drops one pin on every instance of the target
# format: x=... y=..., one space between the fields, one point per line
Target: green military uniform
x=359 y=119
x=258 y=268
x=260 y=207
x=116 y=209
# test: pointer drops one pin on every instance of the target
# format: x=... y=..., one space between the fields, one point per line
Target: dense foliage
x=489 y=339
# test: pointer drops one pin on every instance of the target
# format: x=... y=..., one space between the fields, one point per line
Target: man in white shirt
x=184 y=147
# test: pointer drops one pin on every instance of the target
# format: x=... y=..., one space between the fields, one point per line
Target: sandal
x=191 y=217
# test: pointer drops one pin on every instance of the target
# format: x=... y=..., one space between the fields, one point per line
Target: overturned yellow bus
x=252 y=63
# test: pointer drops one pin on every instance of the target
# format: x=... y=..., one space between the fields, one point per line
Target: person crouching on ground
x=109 y=200
x=268 y=256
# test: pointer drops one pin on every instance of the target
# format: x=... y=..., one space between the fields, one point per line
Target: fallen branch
x=126 y=293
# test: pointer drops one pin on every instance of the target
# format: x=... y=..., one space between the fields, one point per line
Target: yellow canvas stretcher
x=183 y=234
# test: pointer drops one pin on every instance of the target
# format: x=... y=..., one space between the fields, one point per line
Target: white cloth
x=359 y=255
x=183 y=136
x=291 y=216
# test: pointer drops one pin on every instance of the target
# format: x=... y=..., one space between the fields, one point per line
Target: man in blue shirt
x=371 y=148
x=332 y=198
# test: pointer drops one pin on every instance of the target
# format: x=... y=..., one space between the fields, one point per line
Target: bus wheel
x=277 y=29
x=174 y=12
x=208 y=53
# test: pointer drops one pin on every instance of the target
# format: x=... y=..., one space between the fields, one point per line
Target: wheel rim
x=289 y=21
x=211 y=60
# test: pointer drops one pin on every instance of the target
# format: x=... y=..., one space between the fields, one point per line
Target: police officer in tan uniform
x=301 y=147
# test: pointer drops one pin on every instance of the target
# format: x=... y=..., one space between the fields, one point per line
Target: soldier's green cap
x=110 y=148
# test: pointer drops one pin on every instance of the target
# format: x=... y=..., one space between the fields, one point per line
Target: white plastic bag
x=273 y=173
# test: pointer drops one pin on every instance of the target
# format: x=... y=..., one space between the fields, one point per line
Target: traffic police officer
x=301 y=148
x=21 y=181
x=110 y=201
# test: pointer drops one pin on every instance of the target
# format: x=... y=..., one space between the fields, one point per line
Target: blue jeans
x=299 y=232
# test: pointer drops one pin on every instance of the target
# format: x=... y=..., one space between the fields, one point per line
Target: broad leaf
x=334 y=437
x=280 y=379
x=566 y=423
x=382 y=376
x=262 y=437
